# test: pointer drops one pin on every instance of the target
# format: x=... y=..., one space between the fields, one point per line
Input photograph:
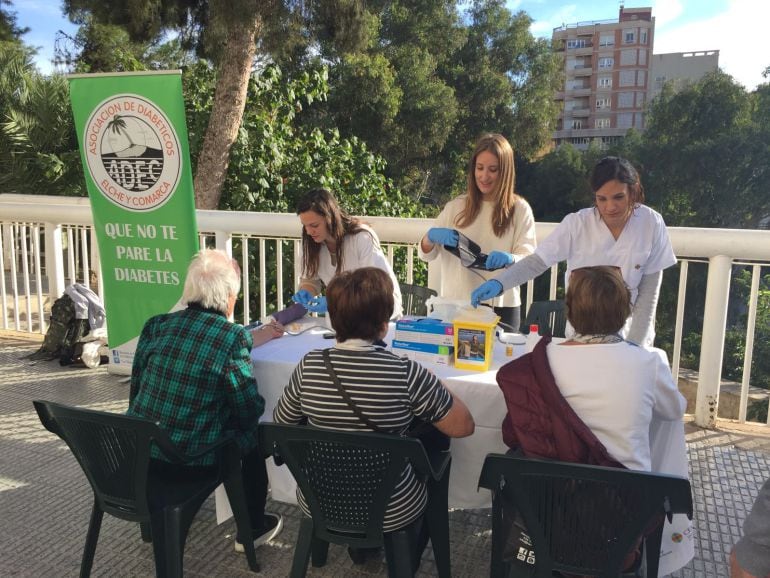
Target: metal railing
x=47 y=242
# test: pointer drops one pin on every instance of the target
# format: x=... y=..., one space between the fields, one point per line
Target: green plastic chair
x=581 y=519
x=114 y=452
x=550 y=317
x=347 y=479
x=414 y=297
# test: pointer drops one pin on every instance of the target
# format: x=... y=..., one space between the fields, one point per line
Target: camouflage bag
x=64 y=330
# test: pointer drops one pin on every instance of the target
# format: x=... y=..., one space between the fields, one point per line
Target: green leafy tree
x=9 y=30
x=556 y=185
x=275 y=159
x=705 y=155
x=226 y=33
x=38 y=147
x=504 y=80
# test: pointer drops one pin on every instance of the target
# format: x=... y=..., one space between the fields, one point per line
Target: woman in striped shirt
x=389 y=390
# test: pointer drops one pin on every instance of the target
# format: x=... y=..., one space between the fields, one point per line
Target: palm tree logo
x=131 y=152
x=118 y=126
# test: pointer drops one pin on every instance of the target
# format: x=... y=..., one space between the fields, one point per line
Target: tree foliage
x=9 y=29
x=275 y=160
x=38 y=147
x=705 y=154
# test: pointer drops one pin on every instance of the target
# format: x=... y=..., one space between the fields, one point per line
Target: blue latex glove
x=303 y=297
x=317 y=305
x=498 y=260
x=486 y=290
x=443 y=236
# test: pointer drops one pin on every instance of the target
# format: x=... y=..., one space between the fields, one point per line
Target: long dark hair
x=338 y=223
x=505 y=198
x=618 y=169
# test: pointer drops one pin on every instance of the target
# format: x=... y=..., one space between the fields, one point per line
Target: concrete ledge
x=729 y=394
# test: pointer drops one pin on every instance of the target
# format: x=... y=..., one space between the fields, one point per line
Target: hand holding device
x=317 y=304
x=498 y=260
x=443 y=236
x=303 y=297
x=486 y=290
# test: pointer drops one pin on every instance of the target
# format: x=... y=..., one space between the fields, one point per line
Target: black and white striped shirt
x=389 y=390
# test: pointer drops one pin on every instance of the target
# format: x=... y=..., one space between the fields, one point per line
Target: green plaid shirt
x=192 y=373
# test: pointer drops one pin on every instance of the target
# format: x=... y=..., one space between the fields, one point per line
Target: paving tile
x=45 y=501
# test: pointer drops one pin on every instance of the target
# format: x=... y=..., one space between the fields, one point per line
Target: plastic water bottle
x=532 y=338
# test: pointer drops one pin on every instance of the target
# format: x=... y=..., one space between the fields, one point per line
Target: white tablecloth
x=274 y=362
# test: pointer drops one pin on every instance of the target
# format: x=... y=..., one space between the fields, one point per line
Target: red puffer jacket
x=539 y=420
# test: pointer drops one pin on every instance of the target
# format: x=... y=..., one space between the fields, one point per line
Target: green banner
x=133 y=142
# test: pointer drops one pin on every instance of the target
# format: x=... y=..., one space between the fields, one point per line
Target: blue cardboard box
x=425 y=330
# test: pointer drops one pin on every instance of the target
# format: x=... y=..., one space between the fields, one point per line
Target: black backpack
x=64 y=332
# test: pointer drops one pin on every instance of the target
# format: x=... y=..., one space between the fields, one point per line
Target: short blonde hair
x=598 y=301
x=212 y=280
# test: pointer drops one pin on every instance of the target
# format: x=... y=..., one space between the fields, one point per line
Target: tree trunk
x=227 y=110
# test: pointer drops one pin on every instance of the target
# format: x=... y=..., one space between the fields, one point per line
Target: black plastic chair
x=414 y=297
x=581 y=519
x=550 y=316
x=114 y=452
x=347 y=479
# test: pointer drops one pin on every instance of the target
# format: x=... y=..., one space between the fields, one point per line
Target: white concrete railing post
x=712 y=341
x=54 y=260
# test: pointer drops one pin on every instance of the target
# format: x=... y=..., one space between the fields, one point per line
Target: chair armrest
x=438 y=463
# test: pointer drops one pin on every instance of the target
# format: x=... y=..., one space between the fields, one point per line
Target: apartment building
x=607 y=77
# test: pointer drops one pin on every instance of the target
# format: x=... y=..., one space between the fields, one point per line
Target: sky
x=734 y=27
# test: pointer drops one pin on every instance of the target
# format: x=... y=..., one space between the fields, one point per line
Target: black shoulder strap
x=344 y=394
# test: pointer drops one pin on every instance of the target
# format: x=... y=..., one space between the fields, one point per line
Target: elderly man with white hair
x=192 y=373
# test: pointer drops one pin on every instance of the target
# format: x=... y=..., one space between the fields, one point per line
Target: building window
x=606 y=62
x=625 y=120
x=576 y=43
x=625 y=100
x=605 y=82
x=602 y=103
x=607 y=40
x=629 y=36
x=627 y=57
x=577 y=124
x=641 y=78
x=602 y=123
x=580 y=140
x=643 y=37
x=627 y=78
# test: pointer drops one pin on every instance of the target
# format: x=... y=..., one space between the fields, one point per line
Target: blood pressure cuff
x=468 y=252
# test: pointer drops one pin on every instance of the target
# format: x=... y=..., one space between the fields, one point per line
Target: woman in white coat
x=618 y=231
x=333 y=242
x=491 y=215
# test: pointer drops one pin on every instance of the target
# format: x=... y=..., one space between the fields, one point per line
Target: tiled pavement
x=45 y=501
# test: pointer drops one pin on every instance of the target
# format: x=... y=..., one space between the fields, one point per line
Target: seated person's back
x=614 y=387
x=389 y=390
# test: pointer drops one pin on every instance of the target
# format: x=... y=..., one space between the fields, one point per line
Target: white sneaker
x=273 y=526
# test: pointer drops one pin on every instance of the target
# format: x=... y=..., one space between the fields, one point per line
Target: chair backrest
x=112 y=449
x=346 y=478
x=414 y=298
x=550 y=316
x=585 y=519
